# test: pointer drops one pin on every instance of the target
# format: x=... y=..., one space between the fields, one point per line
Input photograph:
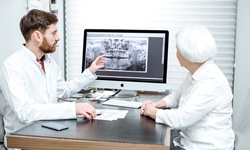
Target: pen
x=98 y=113
x=80 y=116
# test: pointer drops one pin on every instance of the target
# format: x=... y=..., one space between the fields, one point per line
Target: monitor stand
x=126 y=95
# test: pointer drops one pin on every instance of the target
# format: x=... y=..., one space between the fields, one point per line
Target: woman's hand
x=148 y=108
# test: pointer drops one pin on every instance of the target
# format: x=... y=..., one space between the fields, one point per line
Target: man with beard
x=32 y=82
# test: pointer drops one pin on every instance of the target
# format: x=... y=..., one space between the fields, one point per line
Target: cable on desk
x=116 y=93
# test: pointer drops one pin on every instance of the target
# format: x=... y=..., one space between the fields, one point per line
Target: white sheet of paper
x=111 y=114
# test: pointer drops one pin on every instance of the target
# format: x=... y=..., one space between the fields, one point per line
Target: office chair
x=2 y=131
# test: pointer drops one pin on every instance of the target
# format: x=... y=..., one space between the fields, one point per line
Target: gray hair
x=196 y=44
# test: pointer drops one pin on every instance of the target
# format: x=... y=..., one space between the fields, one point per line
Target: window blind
x=219 y=16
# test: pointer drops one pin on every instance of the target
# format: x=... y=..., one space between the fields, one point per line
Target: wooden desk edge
x=37 y=143
x=168 y=137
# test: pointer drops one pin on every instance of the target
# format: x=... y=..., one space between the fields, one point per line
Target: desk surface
x=132 y=132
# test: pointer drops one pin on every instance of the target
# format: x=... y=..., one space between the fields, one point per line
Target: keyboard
x=123 y=103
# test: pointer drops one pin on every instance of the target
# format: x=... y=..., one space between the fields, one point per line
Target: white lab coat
x=204 y=112
x=32 y=95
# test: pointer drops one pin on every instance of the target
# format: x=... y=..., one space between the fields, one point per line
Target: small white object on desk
x=78 y=95
x=95 y=98
x=101 y=96
x=123 y=103
x=70 y=99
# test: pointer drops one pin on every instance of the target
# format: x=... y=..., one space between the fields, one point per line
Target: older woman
x=202 y=107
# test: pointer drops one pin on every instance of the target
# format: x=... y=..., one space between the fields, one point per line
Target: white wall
x=59 y=54
x=11 y=37
x=241 y=105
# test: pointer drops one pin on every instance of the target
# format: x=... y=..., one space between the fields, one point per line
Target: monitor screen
x=135 y=59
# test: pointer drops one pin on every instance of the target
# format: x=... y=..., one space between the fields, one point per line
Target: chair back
x=2 y=132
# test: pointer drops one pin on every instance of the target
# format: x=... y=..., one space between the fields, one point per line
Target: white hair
x=196 y=44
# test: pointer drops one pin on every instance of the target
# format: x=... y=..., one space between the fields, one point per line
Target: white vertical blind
x=219 y=16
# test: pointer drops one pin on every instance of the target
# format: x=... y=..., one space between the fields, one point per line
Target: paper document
x=111 y=114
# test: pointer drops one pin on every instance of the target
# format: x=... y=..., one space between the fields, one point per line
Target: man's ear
x=37 y=36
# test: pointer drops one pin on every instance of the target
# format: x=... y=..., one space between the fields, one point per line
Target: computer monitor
x=136 y=60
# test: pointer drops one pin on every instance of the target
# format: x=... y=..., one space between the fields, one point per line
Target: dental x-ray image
x=122 y=54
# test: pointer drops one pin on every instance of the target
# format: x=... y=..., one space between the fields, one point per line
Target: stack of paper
x=111 y=114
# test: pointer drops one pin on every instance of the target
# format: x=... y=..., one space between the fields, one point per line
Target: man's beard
x=46 y=47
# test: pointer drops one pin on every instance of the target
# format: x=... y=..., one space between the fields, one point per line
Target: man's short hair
x=36 y=20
